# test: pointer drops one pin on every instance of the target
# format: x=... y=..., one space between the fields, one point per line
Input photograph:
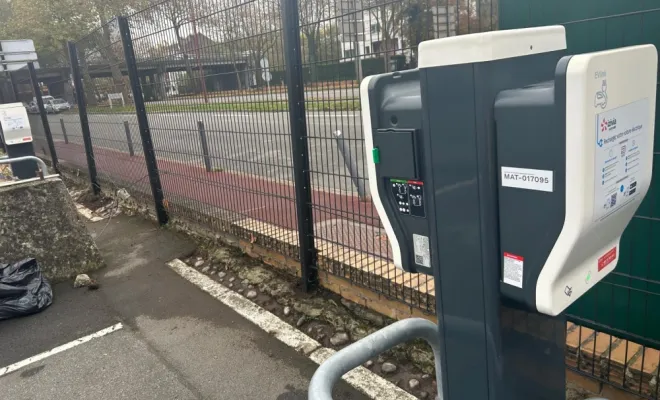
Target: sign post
x=265 y=72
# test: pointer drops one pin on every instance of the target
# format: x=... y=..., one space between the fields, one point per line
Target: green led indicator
x=398 y=180
x=375 y=154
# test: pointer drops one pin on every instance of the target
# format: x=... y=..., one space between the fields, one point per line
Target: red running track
x=248 y=195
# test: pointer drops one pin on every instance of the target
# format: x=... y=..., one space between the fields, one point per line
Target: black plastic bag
x=23 y=289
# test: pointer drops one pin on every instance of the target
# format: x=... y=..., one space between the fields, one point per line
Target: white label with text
x=513 y=270
x=620 y=148
x=422 y=250
x=526 y=178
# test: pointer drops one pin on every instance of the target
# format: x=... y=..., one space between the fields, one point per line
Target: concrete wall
x=38 y=219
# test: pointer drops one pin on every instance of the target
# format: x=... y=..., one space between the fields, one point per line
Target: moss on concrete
x=38 y=219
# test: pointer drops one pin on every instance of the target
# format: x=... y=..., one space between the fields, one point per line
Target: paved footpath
x=146 y=334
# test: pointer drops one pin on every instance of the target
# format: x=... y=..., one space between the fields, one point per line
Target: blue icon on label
x=622 y=188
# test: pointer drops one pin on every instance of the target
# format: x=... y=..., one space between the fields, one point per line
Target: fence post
x=44 y=116
x=143 y=122
x=14 y=89
x=300 y=150
x=66 y=138
x=351 y=165
x=205 y=145
x=129 y=139
x=82 y=112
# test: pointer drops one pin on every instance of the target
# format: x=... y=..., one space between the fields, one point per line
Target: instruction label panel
x=422 y=250
x=620 y=137
x=15 y=124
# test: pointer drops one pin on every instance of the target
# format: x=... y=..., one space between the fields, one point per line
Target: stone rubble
x=388 y=368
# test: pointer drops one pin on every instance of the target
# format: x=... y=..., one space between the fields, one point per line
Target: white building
x=364 y=29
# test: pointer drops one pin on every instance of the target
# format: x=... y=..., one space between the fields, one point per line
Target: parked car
x=32 y=106
x=59 y=105
x=45 y=99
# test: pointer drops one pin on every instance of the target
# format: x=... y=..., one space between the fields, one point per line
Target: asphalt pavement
x=257 y=143
x=175 y=341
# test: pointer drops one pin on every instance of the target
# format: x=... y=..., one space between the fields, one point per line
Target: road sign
x=15 y=54
x=267 y=76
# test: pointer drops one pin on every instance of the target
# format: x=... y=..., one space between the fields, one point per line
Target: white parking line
x=364 y=380
x=16 y=366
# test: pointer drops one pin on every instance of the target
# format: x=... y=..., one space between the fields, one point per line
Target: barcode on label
x=513 y=270
x=422 y=250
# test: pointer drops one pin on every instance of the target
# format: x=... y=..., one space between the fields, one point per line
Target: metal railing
x=43 y=169
x=348 y=358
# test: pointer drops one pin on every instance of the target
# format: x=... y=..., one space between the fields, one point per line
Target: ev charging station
x=17 y=133
x=508 y=170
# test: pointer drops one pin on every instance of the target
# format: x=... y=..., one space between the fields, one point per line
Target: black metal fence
x=244 y=116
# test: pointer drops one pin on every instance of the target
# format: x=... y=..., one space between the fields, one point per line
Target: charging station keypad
x=408 y=197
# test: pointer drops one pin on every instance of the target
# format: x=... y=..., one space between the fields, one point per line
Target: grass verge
x=255 y=106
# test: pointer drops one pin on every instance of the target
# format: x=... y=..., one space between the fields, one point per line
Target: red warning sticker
x=514 y=256
x=606 y=259
x=513 y=270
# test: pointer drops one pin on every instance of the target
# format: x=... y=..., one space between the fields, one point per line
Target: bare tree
x=88 y=82
x=224 y=27
x=247 y=30
x=389 y=16
x=329 y=43
x=418 y=20
x=107 y=41
x=258 y=20
x=174 y=14
x=476 y=15
x=313 y=14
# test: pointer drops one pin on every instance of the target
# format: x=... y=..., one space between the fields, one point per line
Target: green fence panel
x=627 y=302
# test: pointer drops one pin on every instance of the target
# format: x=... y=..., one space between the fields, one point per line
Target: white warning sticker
x=422 y=250
x=513 y=270
x=620 y=145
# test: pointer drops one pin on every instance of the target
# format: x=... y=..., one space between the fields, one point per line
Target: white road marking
x=16 y=366
x=360 y=378
x=250 y=311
